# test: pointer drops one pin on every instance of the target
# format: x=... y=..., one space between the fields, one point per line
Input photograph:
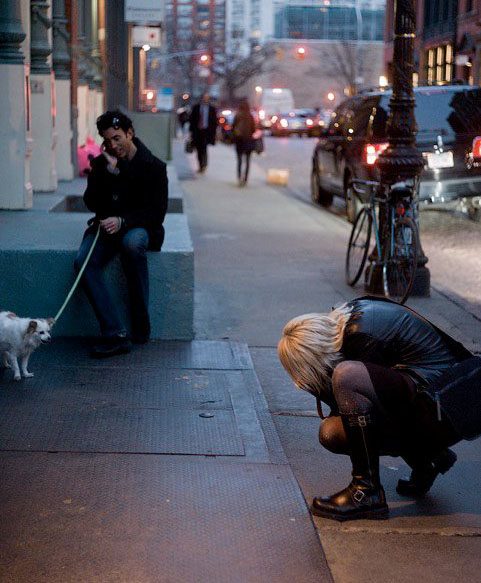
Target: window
x=439 y=64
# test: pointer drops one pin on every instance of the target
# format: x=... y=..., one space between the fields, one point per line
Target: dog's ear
x=32 y=326
x=50 y=321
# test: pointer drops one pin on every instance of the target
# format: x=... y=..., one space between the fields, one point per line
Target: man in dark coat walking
x=127 y=190
x=203 y=127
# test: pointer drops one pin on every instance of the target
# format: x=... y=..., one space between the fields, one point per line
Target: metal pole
x=402 y=161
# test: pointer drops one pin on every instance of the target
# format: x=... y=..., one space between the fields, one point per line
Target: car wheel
x=318 y=194
x=353 y=204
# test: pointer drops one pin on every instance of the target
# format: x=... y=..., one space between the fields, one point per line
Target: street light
x=331 y=96
x=402 y=161
x=258 y=89
x=300 y=52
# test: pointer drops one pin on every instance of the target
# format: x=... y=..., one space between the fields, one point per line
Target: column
x=61 y=67
x=15 y=186
x=91 y=46
x=42 y=84
x=83 y=89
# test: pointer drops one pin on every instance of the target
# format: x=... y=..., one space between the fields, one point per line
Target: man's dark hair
x=113 y=119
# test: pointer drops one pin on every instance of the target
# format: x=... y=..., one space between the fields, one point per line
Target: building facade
x=195 y=42
x=448 y=41
x=332 y=20
x=249 y=23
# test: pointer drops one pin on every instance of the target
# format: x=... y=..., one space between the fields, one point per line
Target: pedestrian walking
x=203 y=128
x=243 y=129
x=127 y=190
x=395 y=384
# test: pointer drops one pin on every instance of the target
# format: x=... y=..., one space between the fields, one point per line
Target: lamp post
x=402 y=161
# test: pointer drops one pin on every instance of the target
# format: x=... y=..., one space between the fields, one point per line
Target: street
x=450 y=240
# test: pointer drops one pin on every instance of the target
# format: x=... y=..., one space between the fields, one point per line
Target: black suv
x=449 y=136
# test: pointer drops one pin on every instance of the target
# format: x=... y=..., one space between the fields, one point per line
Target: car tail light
x=227 y=126
x=284 y=123
x=372 y=152
x=477 y=147
x=309 y=122
x=274 y=118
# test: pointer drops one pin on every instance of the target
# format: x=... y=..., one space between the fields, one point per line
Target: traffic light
x=148 y=99
x=300 y=52
x=204 y=59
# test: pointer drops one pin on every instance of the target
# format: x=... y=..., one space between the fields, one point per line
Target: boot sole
x=379 y=514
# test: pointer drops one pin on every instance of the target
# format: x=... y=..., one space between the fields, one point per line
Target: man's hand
x=111 y=225
x=112 y=160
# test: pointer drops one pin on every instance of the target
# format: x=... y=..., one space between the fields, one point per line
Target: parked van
x=274 y=101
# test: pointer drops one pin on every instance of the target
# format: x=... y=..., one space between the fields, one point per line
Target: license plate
x=296 y=124
x=443 y=160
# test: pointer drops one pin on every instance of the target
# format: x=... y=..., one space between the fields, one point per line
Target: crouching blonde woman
x=395 y=385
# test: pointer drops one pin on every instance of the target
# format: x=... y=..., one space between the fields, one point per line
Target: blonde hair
x=310 y=345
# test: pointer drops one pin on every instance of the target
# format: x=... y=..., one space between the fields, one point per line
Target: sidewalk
x=193 y=462
x=275 y=257
x=159 y=466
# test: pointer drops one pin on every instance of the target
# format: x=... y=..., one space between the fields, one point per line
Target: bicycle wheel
x=358 y=246
x=399 y=270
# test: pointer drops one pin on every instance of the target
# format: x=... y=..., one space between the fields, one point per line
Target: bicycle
x=396 y=238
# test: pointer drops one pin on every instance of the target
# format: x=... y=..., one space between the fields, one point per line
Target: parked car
x=297 y=121
x=449 y=136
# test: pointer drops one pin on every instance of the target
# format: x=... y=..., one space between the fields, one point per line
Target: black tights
x=240 y=156
x=405 y=420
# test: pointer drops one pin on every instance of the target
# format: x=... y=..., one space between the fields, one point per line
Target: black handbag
x=189 y=145
x=458 y=395
x=259 y=145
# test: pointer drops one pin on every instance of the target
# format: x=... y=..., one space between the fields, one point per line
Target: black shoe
x=358 y=500
x=110 y=346
x=364 y=497
x=422 y=478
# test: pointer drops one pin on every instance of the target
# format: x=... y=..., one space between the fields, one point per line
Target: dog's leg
x=16 y=369
x=6 y=362
x=25 y=372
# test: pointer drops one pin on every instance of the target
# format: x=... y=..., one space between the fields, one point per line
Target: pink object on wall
x=85 y=154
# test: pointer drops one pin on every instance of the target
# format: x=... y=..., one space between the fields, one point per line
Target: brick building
x=448 y=41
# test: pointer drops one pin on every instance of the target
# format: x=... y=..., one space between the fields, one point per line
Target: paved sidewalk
x=264 y=256
x=159 y=466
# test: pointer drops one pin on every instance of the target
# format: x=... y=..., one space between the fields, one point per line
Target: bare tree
x=236 y=71
x=347 y=62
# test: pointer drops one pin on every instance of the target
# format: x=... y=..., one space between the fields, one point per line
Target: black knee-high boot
x=364 y=497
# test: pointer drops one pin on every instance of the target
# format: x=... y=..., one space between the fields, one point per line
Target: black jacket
x=212 y=123
x=138 y=194
x=386 y=333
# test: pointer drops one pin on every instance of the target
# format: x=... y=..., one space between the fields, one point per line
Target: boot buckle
x=359 y=496
x=362 y=420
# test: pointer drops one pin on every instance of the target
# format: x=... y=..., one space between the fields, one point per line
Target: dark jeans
x=132 y=247
x=200 y=143
x=246 y=155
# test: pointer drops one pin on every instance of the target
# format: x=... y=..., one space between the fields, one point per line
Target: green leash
x=76 y=282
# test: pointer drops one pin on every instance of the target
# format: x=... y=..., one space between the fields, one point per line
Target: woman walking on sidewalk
x=395 y=385
x=243 y=129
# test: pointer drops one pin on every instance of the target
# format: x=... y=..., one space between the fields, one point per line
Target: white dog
x=19 y=337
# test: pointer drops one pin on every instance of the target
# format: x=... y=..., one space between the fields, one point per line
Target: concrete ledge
x=37 y=250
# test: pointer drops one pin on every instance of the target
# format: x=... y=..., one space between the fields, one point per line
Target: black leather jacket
x=383 y=332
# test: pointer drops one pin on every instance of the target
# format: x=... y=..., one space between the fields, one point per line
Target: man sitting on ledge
x=127 y=190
